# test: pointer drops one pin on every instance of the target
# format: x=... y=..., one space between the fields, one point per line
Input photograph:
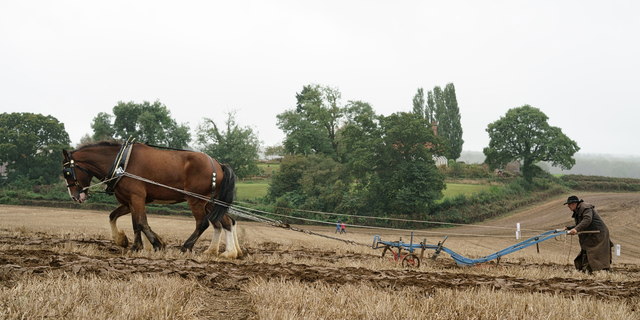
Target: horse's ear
x=65 y=154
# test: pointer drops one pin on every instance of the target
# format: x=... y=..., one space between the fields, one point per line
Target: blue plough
x=412 y=260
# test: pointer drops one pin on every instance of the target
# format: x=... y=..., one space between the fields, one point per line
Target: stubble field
x=62 y=264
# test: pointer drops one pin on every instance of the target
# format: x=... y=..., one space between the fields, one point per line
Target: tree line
x=337 y=156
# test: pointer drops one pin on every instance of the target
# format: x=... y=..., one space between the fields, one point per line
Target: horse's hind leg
x=214 y=247
x=235 y=238
x=118 y=236
x=231 y=250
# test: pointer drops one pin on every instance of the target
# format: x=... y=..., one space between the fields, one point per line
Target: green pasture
x=253 y=189
x=269 y=168
x=257 y=188
x=250 y=190
x=455 y=189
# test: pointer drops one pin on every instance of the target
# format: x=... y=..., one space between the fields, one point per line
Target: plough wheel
x=411 y=261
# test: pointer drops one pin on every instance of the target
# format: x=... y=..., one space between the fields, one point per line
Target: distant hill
x=586 y=164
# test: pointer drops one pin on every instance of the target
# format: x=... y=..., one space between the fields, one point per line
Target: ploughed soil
x=31 y=238
x=226 y=277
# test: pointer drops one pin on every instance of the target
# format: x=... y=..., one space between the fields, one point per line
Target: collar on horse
x=119 y=165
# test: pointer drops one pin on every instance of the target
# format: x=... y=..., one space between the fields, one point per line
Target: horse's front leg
x=140 y=225
x=201 y=225
x=198 y=210
x=118 y=236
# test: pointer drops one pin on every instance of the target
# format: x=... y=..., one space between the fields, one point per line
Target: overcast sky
x=577 y=61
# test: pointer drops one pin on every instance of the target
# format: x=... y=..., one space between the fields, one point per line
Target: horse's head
x=77 y=180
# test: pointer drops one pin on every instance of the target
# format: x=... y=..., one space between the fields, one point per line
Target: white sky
x=577 y=61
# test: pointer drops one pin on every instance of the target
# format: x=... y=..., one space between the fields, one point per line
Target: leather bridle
x=69 y=172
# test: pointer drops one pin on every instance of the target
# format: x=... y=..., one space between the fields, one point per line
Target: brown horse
x=138 y=174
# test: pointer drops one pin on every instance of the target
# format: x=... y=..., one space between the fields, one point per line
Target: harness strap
x=119 y=165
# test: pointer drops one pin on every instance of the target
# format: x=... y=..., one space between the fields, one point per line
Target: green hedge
x=598 y=183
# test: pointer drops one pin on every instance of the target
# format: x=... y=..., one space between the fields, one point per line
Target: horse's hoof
x=229 y=255
x=122 y=240
x=211 y=252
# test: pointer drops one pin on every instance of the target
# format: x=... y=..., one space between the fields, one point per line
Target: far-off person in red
x=595 y=253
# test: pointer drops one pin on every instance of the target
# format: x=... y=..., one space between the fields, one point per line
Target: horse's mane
x=104 y=143
x=115 y=143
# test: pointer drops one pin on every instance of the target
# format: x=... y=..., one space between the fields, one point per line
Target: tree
x=147 y=122
x=358 y=138
x=30 y=146
x=430 y=108
x=453 y=133
x=313 y=182
x=276 y=151
x=443 y=111
x=311 y=127
x=102 y=127
x=523 y=134
x=235 y=145
x=419 y=103
x=440 y=112
x=406 y=179
x=86 y=139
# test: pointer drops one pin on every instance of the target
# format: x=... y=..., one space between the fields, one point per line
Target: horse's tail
x=225 y=196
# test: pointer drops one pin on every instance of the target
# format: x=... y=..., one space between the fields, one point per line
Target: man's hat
x=572 y=199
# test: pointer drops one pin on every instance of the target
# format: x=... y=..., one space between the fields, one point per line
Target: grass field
x=253 y=189
x=455 y=189
x=250 y=190
x=269 y=168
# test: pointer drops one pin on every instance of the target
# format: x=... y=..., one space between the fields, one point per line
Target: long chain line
x=402 y=220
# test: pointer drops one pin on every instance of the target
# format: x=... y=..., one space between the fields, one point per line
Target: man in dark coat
x=595 y=253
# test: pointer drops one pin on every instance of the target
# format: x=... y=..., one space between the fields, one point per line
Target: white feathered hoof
x=211 y=252
x=121 y=239
x=229 y=255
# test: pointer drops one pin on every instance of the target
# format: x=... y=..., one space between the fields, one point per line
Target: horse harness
x=119 y=166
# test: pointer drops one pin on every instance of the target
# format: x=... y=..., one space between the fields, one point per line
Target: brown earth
x=229 y=275
x=27 y=253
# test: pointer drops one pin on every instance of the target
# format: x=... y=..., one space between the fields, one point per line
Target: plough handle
x=376 y=238
x=581 y=232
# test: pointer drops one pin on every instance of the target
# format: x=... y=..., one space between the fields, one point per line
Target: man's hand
x=573 y=231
